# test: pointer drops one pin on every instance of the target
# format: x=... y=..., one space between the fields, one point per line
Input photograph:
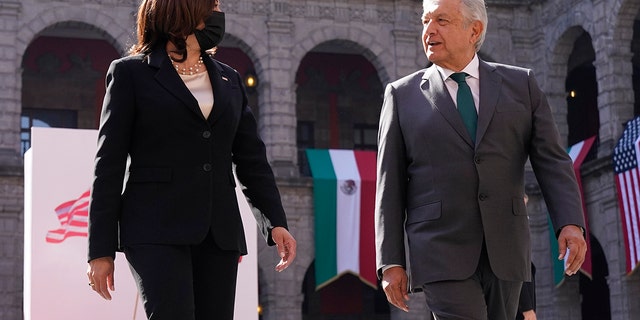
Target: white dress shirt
x=473 y=80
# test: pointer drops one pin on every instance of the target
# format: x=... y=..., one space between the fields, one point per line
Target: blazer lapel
x=221 y=84
x=490 y=84
x=171 y=81
x=437 y=93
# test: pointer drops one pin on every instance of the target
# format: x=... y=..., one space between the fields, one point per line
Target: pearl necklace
x=190 y=70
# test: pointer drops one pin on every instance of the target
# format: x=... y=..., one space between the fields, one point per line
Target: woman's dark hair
x=160 y=21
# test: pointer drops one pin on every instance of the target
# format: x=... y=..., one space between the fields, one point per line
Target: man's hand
x=100 y=274
x=529 y=315
x=286 y=245
x=571 y=238
x=394 y=284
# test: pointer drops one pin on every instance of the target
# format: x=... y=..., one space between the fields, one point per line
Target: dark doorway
x=63 y=78
x=583 y=117
x=346 y=298
x=595 y=291
x=338 y=100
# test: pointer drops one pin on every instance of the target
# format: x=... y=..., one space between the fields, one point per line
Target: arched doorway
x=338 y=101
x=339 y=95
x=346 y=298
x=582 y=94
x=595 y=291
x=239 y=60
x=63 y=78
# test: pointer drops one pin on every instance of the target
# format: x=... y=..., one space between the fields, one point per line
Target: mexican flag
x=344 y=183
x=578 y=152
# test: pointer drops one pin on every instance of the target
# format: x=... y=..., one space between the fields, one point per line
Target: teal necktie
x=466 y=107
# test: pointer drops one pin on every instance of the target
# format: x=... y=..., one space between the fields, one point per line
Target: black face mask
x=213 y=31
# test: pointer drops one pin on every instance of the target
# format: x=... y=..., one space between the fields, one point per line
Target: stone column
x=10 y=84
x=615 y=102
x=613 y=73
x=405 y=55
x=408 y=52
x=281 y=295
x=277 y=95
x=11 y=169
x=280 y=292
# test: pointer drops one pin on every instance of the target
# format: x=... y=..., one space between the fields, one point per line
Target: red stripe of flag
x=73 y=218
x=631 y=223
x=586 y=268
x=624 y=213
x=366 y=161
x=629 y=215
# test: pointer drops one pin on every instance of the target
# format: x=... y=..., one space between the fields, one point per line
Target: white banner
x=58 y=176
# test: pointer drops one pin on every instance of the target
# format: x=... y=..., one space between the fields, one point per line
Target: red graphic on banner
x=73 y=216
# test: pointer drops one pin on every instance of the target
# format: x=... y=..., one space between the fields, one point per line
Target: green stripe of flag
x=558 y=265
x=324 y=198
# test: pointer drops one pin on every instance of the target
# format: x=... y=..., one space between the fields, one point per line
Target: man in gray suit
x=453 y=184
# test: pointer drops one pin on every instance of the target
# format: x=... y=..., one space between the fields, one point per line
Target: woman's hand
x=286 y=245
x=100 y=274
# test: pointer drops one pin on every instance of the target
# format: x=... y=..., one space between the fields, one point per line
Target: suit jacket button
x=206 y=167
x=476 y=160
x=483 y=197
x=206 y=134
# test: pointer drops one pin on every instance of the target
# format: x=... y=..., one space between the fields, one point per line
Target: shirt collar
x=472 y=69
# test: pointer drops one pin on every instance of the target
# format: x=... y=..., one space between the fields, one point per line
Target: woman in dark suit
x=182 y=120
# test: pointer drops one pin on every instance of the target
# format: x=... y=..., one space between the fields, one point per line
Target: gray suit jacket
x=447 y=195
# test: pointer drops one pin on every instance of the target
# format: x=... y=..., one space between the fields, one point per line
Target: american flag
x=625 y=163
x=73 y=216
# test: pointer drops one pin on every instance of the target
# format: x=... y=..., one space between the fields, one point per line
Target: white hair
x=471 y=10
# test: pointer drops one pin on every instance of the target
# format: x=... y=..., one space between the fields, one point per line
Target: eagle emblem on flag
x=348 y=187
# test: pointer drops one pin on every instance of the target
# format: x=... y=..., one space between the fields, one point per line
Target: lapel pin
x=225 y=78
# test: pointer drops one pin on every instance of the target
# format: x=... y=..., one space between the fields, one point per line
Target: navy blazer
x=180 y=180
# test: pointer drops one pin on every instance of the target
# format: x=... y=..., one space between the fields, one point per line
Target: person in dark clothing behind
x=527 y=304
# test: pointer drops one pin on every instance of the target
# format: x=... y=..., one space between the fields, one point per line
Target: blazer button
x=483 y=197
x=476 y=160
x=206 y=134
x=206 y=167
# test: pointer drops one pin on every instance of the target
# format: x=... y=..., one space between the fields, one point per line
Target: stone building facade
x=552 y=37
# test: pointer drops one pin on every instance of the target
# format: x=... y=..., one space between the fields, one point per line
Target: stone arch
x=562 y=38
x=71 y=23
x=100 y=24
x=256 y=94
x=334 y=81
x=622 y=35
x=113 y=30
x=256 y=48
x=360 y=41
x=557 y=74
x=624 y=12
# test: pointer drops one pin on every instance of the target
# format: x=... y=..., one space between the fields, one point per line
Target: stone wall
x=276 y=35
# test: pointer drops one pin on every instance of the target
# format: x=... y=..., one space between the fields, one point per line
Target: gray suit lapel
x=437 y=93
x=490 y=84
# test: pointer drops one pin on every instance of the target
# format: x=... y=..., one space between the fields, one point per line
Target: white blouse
x=200 y=87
